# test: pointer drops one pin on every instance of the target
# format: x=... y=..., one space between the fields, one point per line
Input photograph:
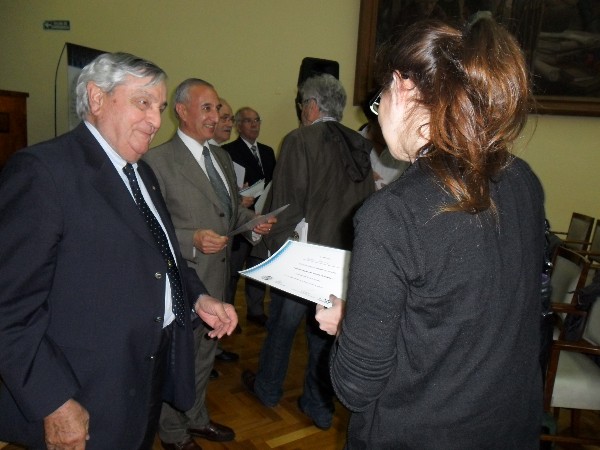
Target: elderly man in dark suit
x=96 y=304
x=259 y=161
x=198 y=183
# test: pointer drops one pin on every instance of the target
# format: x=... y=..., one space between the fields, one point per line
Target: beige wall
x=251 y=50
x=565 y=154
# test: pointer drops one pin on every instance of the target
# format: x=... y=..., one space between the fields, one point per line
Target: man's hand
x=265 y=228
x=208 y=242
x=67 y=427
x=330 y=319
x=221 y=317
x=246 y=202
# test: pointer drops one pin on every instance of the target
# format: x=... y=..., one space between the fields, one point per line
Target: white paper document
x=240 y=173
x=260 y=203
x=301 y=231
x=257 y=221
x=255 y=190
x=310 y=271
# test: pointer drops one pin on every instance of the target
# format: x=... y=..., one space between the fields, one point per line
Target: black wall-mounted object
x=311 y=67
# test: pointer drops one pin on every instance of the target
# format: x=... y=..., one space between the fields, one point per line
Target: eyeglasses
x=255 y=121
x=374 y=103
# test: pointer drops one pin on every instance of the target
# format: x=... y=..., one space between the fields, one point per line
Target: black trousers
x=158 y=378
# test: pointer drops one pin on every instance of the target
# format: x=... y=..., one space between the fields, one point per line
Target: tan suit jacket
x=194 y=205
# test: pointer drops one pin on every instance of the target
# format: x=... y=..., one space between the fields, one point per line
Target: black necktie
x=254 y=150
x=217 y=183
x=162 y=242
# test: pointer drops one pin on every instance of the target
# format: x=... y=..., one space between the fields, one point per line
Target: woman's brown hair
x=474 y=84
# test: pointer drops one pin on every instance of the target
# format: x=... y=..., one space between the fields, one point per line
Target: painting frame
x=365 y=65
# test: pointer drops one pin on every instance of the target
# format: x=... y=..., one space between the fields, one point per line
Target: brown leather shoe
x=188 y=444
x=213 y=432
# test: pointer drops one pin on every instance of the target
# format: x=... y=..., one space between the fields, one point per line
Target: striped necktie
x=254 y=150
x=217 y=183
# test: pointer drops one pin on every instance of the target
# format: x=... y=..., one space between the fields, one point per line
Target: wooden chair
x=577 y=237
x=592 y=251
x=573 y=379
x=569 y=274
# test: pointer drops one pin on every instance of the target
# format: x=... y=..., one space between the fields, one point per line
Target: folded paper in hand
x=309 y=271
x=255 y=190
x=258 y=220
x=240 y=173
x=260 y=203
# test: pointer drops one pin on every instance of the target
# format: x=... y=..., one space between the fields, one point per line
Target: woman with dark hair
x=439 y=344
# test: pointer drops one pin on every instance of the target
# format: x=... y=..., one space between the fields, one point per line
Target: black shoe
x=260 y=320
x=322 y=423
x=213 y=432
x=248 y=380
x=213 y=375
x=227 y=356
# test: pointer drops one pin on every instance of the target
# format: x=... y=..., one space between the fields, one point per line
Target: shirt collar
x=114 y=157
x=248 y=143
x=325 y=119
x=191 y=142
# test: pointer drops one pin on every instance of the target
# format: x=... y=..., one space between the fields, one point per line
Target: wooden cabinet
x=13 y=123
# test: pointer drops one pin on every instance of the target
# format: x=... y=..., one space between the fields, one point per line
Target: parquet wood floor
x=284 y=427
x=259 y=427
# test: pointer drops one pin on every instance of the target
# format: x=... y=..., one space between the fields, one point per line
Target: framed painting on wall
x=560 y=40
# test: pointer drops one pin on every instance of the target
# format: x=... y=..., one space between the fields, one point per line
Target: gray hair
x=182 y=91
x=110 y=70
x=238 y=113
x=328 y=92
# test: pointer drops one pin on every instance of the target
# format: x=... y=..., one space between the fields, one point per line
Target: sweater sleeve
x=365 y=353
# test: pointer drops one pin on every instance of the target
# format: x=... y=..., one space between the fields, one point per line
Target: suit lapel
x=249 y=157
x=153 y=189
x=223 y=161
x=108 y=183
x=191 y=170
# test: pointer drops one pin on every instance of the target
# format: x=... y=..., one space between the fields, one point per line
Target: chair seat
x=577 y=382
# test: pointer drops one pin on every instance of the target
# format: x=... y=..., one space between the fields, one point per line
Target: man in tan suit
x=198 y=183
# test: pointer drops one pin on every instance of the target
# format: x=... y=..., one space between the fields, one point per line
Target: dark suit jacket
x=194 y=205
x=82 y=302
x=241 y=154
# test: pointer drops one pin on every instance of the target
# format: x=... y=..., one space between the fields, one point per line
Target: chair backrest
x=594 y=248
x=580 y=229
x=591 y=332
x=569 y=273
